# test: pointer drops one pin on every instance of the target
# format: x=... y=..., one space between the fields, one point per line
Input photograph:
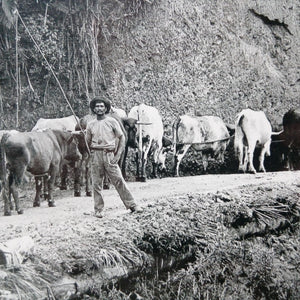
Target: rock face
x=182 y=56
x=209 y=57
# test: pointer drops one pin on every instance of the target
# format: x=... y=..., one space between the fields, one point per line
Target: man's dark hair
x=99 y=100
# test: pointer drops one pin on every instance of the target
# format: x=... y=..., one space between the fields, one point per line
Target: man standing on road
x=107 y=141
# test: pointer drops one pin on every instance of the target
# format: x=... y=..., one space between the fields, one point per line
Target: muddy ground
x=181 y=217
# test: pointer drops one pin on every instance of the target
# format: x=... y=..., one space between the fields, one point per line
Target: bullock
x=118 y=111
x=207 y=134
x=252 y=129
x=2 y=168
x=65 y=124
x=291 y=132
x=150 y=127
x=39 y=153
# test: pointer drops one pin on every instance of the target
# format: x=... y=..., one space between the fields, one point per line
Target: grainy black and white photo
x=149 y=149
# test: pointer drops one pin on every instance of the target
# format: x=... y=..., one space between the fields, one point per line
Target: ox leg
x=242 y=157
x=156 y=152
x=205 y=162
x=88 y=176
x=9 y=189
x=14 y=192
x=264 y=151
x=51 y=181
x=178 y=158
x=154 y=169
x=45 y=184
x=77 y=178
x=5 y=193
x=143 y=168
x=250 y=153
x=64 y=177
x=38 y=190
x=137 y=161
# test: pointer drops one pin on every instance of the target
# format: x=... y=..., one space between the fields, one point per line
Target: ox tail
x=240 y=137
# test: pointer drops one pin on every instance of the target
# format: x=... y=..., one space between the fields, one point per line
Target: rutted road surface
x=69 y=207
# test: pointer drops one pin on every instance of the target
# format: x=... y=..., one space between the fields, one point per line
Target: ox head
x=80 y=138
x=72 y=153
x=131 y=129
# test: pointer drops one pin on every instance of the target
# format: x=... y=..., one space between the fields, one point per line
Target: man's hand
x=116 y=159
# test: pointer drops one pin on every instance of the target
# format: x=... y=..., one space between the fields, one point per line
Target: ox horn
x=277 y=133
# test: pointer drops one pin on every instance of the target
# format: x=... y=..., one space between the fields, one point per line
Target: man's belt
x=104 y=150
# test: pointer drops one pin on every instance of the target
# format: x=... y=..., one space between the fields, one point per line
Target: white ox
x=65 y=123
x=119 y=111
x=207 y=134
x=252 y=129
x=150 y=126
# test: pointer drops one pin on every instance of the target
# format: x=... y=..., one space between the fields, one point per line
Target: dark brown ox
x=291 y=136
x=39 y=153
x=207 y=134
x=66 y=124
x=252 y=129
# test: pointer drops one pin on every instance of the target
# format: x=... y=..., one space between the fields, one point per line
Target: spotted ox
x=151 y=129
x=207 y=134
x=39 y=153
x=252 y=129
x=291 y=136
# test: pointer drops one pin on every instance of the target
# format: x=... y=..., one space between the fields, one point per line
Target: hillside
x=205 y=57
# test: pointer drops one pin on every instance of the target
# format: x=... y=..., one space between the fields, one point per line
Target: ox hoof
x=36 y=204
x=7 y=213
x=77 y=194
x=51 y=204
x=89 y=194
x=20 y=212
x=106 y=186
x=141 y=179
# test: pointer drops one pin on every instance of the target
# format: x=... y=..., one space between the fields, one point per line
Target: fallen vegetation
x=237 y=244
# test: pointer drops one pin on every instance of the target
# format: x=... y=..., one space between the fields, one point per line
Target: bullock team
x=55 y=145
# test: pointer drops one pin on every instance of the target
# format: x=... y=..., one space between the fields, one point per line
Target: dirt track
x=69 y=207
x=69 y=242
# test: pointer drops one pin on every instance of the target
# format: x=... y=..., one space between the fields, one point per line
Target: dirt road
x=69 y=207
x=69 y=241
